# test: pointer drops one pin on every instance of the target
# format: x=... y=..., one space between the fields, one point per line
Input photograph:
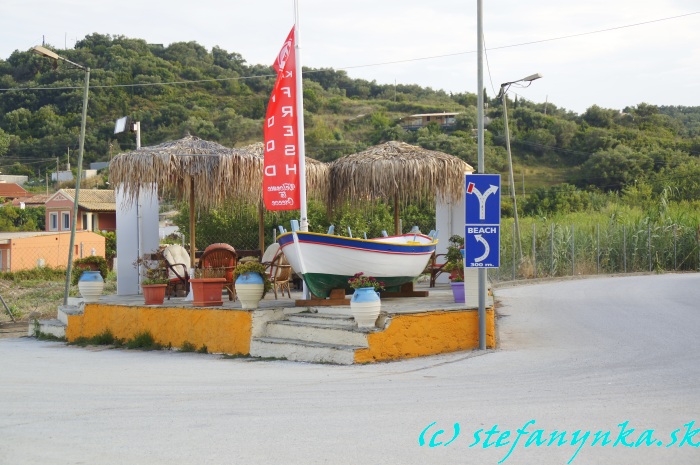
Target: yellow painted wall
x=430 y=333
x=225 y=331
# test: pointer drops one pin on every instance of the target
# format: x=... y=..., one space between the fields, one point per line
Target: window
x=66 y=220
x=53 y=221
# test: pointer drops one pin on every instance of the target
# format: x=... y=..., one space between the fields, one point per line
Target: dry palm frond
x=219 y=173
x=316 y=172
x=396 y=170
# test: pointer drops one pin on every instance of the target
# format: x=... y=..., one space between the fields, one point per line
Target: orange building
x=28 y=250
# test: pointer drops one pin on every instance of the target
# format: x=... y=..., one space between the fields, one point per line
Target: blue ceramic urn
x=91 y=285
x=249 y=278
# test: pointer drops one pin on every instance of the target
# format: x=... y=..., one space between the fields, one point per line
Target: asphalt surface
x=588 y=355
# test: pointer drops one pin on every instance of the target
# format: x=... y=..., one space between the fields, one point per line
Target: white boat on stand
x=327 y=261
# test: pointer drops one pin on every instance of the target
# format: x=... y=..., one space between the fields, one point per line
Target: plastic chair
x=177 y=262
x=222 y=257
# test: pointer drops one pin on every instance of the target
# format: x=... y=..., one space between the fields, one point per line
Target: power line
x=383 y=63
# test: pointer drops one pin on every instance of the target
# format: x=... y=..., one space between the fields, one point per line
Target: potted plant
x=454 y=258
x=154 y=280
x=365 y=303
x=457 y=283
x=89 y=274
x=207 y=286
x=252 y=283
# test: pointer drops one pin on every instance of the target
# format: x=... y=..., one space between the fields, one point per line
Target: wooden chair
x=177 y=262
x=434 y=268
x=280 y=274
x=220 y=256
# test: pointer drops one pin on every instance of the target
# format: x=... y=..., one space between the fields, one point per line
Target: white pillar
x=449 y=220
x=137 y=233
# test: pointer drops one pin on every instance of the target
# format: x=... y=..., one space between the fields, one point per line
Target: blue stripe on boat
x=358 y=244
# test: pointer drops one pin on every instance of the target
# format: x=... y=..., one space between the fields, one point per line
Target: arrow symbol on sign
x=487 y=249
x=471 y=189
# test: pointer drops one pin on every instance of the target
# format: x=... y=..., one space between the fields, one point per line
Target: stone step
x=53 y=327
x=305 y=331
x=344 y=321
x=65 y=310
x=302 y=351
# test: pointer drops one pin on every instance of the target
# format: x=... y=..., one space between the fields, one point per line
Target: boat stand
x=337 y=297
x=406 y=290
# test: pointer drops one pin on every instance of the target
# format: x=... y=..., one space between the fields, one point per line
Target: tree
x=614 y=169
x=599 y=117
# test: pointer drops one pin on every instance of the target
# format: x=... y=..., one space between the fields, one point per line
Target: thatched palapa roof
x=316 y=172
x=218 y=172
x=397 y=171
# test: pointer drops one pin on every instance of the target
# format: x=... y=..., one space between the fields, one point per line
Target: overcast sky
x=641 y=57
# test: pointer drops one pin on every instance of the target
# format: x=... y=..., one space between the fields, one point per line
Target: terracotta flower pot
x=206 y=292
x=154 y=294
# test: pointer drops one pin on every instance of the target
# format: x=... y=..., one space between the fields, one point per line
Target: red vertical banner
x=281 y=173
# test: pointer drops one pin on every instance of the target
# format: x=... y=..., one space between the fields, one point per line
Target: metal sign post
x=482 y=232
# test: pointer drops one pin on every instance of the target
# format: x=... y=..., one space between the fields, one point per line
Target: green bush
x=143 y=341
x=45 y=273
x=89 y=263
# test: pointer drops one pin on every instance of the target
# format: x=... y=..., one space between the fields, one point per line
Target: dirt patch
x=9 y=329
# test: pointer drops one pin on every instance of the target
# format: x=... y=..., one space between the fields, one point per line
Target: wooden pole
x=261 y=227
x=397 y=230
x=192 y=232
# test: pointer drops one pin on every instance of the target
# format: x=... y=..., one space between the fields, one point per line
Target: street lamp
x=502 y=95
x=54 y=56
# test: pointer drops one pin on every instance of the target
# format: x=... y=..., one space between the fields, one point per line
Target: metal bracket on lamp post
x=502 y=95
x=54 y=56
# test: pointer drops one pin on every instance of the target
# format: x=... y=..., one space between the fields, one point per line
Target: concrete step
x=302 y=351
x=325 y=333
x=340 y=321
x=53 y=327
x=65 y=310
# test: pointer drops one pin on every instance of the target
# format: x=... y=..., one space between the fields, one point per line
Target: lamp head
x=532 y=77
x=39 y=50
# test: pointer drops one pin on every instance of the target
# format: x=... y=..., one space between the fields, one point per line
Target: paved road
x=588 y=354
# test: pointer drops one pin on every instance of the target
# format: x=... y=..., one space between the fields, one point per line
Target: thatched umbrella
x=316 y=172
x=219 y=173
x=177 y=166
x=398 y=171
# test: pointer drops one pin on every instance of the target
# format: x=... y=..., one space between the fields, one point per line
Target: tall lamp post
x=502 y=95
x=54 y=56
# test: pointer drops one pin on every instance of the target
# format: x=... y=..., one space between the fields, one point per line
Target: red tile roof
x=10 y=190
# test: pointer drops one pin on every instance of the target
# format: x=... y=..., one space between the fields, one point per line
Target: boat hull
x=326 y=262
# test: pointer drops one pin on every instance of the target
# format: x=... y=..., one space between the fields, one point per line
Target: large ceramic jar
x=365 y=306
x=91 y=285
x=249 y=289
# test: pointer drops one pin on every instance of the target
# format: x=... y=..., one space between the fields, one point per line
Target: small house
x=11 y=190
x=444 y=120
x=97 y=210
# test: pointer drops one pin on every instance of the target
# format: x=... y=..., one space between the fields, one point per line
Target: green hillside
x=216 y=95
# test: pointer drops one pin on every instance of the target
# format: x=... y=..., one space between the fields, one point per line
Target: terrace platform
x=407 y=327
